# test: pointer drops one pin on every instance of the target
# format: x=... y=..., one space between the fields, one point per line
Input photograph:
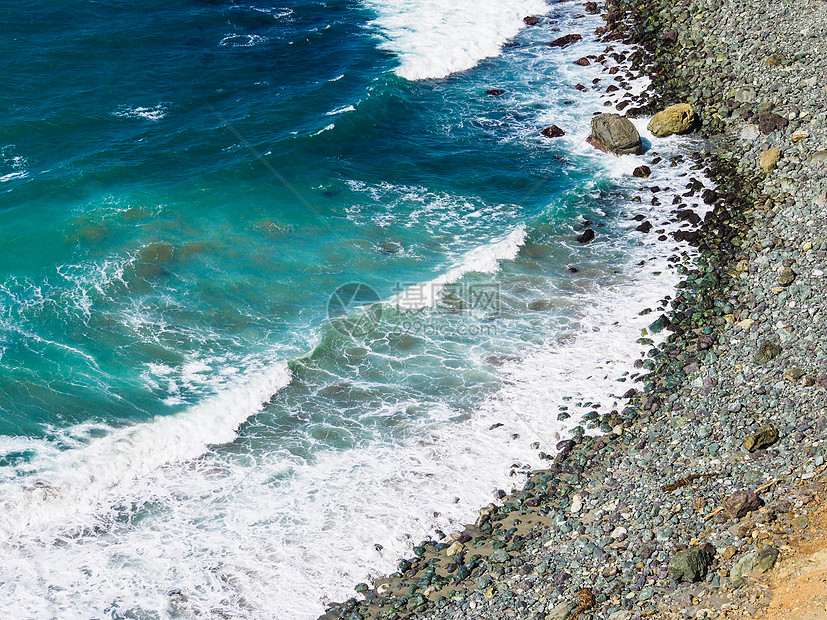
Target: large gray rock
x=742 y=568
x=692 y=564
x=616 y=134
x=561 y=611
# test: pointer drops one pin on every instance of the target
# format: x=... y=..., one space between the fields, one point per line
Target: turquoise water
x=186 y=428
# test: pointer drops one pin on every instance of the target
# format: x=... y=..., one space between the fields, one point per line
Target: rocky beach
x=691 y=498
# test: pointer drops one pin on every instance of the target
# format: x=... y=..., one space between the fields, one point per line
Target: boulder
x=583 y=62
x=553 y=132
x=769 y=122
x=591 y=8
x=586 y=236
x=494 y=92
x=767 y=351
x=692 y=564
x=531 y=20
x=669 y=36
x=787 y=277
x=616 y=134
x=741 y=503
x=642 y=172
x=566 y=40
x=764 y=437
x=767 y=558
x=742 y=568
x=676 y=119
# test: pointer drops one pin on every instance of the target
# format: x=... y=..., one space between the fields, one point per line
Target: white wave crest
x=439 y=37
x=83 y=482
x=484 y=259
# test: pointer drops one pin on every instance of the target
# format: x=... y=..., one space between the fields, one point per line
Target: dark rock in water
x=616 y=134
x=669 y=36
x=767 y=558
x=659 y=325
x=692 y=564
x=531 y=20
x=742 y=503
x=688 y=215
x=709 y=196
x=692 y=237
x=390 y=247
x=553 y=132
x=591 y=8
x=764 y=437
x=769 y=122
x=645 y=227
x=573 y=269
x=566 y=40
x=767 y=351
x=583 y=62
x=581 y=88
x=586 y=236
x=642 y=172
x=494 y=92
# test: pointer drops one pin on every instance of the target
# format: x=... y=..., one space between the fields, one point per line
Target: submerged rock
x=616 y=134
x=566 y=40
x=531 y=20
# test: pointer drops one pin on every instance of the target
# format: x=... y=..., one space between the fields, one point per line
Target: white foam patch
x=242 y=40
x=342 y=110
x=483 y=259
x=11 y=176
x=438 y=37
x=79 y=484
x=149 y=113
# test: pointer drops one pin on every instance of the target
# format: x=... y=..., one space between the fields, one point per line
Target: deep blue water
x=183 y=187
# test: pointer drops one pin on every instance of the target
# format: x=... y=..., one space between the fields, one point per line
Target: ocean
x=283 y=289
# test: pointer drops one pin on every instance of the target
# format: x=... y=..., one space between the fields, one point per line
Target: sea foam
x=436 y=38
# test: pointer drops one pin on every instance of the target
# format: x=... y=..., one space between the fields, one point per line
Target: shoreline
x=663 y=510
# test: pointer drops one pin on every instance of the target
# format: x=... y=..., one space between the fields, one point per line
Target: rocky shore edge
x=685 y=502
